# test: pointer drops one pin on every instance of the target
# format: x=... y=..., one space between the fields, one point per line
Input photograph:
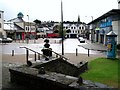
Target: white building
x=17 y=28
x=76 y=29
x=2 y=32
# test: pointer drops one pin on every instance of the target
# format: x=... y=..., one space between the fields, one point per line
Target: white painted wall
x=2 y=24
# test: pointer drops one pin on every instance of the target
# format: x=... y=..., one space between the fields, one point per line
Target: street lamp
x=92 y=18
x=27 y=33
x=28 y=22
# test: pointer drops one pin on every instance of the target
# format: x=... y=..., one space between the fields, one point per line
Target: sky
x=50 y=10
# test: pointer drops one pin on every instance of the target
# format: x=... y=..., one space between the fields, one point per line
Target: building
x=99 y=27
x=75 y=29
x=18 y=29
x=2 y=32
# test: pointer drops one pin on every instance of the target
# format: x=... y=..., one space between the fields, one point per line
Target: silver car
x=5 y=40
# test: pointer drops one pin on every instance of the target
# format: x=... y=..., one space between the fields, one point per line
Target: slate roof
x=111 y=12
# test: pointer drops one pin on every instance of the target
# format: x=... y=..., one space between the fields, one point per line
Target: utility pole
x=62 y=28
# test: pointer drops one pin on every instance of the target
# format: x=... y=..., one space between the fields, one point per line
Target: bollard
x=35 y=56
x=76 y=52
x=88 y=52
x=12 y=52
x=27 y=53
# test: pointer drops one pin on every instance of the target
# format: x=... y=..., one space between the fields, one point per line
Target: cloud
x=50 y=9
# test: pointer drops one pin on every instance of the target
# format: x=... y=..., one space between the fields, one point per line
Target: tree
x=38 y=22
x=68 y=31
x=60 y=31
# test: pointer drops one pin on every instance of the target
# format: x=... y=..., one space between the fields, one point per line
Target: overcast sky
x=47 y=10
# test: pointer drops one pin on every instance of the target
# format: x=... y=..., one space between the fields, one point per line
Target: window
x=74 y=27
x=26 y=28
x=73 y=31
x=0 y=25
x=79 y=27
x=0 y=15
x=71 y=27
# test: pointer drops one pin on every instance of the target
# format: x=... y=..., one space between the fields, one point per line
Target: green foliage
x=60 y=31
x=37 y=21
x=104 y=71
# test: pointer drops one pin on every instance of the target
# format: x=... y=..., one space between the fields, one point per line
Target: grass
x=103 y=70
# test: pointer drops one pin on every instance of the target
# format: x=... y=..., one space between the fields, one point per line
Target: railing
x=61 y=56
x=39 y=54
x=35 y=55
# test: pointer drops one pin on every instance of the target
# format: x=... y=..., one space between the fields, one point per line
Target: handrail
x=41 y=54
x=27 y=54
x=58 y=54
x=33 y=51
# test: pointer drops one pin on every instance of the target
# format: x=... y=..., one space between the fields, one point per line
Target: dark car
x=5 y=40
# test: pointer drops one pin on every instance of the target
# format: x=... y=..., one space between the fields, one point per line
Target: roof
x=1 y=11
x=73 y=22
x=111 y=12
x=29 y=23
x=16 y=20
x=111 y=34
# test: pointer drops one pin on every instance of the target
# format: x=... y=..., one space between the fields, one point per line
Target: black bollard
x=88 y=52
x=76 y=52
x=12 y=52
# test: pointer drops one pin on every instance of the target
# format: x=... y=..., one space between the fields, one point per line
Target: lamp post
x=27 y=33
x=92 y=31
x=28 y=23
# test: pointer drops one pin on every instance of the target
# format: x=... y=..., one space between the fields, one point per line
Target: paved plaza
x=19 y=58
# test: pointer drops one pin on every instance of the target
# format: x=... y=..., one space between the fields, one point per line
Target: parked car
x=81 y=39
x=5 y=40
